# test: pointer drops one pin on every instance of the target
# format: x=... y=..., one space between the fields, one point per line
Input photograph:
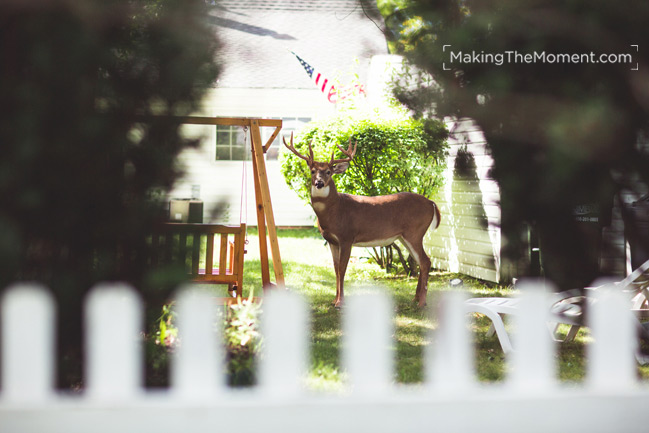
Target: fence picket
x=285 y=334
x=197 y=369
x=28 y=338
x=533 y=367
x=611 y=356
x=367 y=330
x=114 y=363
x=449 y=365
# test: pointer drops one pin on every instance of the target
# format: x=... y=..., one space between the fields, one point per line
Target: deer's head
x=321 y=172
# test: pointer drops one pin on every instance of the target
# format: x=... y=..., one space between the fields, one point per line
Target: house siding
x=468 y=239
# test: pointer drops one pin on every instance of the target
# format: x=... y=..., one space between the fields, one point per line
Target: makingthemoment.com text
x=498 y=59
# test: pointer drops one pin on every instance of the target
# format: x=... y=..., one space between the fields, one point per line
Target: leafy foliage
x=167 y=333
x=562 y=135
x=243 y=342
x=82 y=181
x=395 y=153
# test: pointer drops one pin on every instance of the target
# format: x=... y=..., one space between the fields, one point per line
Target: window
x=289 y=124
x=231 y=144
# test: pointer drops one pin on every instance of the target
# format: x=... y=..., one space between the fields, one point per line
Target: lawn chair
x=568 y=307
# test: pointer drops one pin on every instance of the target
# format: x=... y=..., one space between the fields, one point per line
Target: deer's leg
x=344 y=251
x=335 y=255
x=416 y=248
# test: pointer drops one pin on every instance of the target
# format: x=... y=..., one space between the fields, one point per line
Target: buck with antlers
x=349 y=220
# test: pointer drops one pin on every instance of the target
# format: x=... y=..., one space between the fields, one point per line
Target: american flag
x=324 y=84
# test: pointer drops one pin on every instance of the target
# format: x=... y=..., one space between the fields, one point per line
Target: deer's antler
x=349 y=153
x=290 y=147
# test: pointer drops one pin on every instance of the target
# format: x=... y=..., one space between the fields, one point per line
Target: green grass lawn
x=308 y=270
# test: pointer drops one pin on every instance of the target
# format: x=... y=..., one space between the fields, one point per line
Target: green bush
x=395 y=153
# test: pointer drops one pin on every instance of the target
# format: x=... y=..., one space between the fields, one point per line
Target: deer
x=346 y=220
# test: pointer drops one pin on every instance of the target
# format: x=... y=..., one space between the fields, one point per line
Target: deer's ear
x=340 y=167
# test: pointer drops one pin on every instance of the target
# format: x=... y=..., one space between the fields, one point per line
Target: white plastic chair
x=566 y=308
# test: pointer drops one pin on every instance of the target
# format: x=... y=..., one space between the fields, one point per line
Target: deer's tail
x=437 y=217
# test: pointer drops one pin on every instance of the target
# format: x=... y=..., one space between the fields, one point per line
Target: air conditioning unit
x=185 y=210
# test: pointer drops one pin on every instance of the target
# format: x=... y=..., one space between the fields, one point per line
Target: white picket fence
x=450 y=400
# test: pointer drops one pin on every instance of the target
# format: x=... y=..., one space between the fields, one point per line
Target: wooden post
x=261 y=226
x=261 y=177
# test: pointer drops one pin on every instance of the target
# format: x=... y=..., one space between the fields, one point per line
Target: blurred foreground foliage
x=564 y=136
x=81 y=181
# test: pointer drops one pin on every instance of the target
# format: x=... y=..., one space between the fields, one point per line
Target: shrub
x=394 y=154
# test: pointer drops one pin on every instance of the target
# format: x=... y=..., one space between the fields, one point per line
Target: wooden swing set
x=231 y=245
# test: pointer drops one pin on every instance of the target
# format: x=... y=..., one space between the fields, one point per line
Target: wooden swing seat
x=193 y=245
